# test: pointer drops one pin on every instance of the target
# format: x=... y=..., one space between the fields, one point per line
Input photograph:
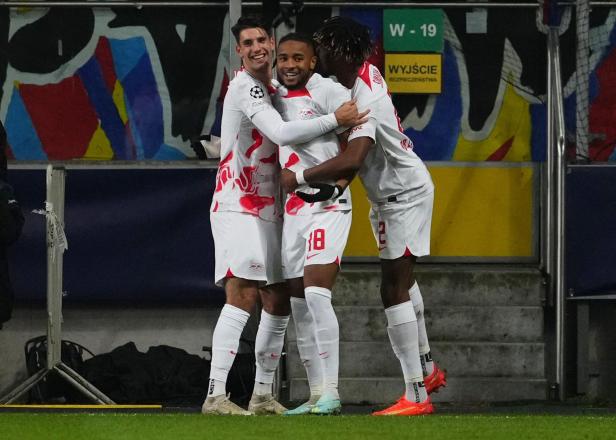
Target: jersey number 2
x=382 y=235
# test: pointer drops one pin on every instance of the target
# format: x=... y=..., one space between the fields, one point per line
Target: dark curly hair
x=345 y=39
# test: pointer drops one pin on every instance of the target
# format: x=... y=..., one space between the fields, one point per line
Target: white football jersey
x=248 y=174
x=321 y=96
x=391 y=167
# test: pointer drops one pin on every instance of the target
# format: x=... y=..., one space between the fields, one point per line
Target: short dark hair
x=249 y=22
x=345 y=39
x=298 y=36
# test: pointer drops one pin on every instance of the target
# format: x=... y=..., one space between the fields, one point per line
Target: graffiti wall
x=132 y=84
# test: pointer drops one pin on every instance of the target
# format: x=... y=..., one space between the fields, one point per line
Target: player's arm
x=344 y=166
x=270 y=123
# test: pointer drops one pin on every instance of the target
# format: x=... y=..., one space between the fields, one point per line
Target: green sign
x=413 y=30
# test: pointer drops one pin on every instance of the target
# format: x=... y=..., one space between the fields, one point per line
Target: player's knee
x=400 y=314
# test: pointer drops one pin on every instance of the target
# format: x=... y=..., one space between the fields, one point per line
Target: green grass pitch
x=180 y=426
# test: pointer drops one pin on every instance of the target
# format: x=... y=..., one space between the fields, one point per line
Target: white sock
x=225 y=341
x=319 y=302
x=268 y=348
x=424 y=347
x=402 y=330
x=305 y=330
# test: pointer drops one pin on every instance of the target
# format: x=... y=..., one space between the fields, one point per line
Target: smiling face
x=295 y=63
x=255 y=48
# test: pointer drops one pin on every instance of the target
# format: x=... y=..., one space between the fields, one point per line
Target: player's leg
x=418 y=220
x=238 y=246
x=390 y=226
x=293 y=255
x=241 y=299
x=319 y=280
x=269 y=344
x=434 y=377
x=326 y=241
x=306 y=345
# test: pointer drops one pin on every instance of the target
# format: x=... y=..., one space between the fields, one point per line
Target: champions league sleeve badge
x=257 y=92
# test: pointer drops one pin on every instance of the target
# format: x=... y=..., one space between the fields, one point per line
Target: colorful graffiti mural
x=135 y=84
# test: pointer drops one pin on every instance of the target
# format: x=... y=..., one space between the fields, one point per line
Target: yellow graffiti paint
x=479 y=211
x=118 y=99
x=99 y=147
x=513 y=123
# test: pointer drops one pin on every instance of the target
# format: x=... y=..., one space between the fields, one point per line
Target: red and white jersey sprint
x=321 y=96
x=248 y=173
x=391 y=167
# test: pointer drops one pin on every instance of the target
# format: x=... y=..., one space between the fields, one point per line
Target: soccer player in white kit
x=314 y=234
x=401 y=195
x=246 y=218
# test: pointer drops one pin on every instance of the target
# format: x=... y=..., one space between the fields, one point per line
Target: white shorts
x=319 y=238
x=402 y=228
x=246 y=247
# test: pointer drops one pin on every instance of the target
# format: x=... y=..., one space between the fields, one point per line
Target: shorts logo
x=257 y=92
x=308 y=257
x=255 y=266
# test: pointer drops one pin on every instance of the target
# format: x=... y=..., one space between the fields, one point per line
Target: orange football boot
x=405 y=408
x=437 y=379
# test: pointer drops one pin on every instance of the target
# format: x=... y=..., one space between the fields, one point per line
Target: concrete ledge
x=465 y=359
x=383 y=390
x=444 y=323
x=465 y=285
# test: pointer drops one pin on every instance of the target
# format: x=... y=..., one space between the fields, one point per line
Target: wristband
x=299 y=176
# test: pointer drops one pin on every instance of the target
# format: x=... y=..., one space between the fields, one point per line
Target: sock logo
x=211 y=387
x=416 y=386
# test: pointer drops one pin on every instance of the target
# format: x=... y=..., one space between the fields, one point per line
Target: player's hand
x=325 y=192
x=347 y=114
x=288 y=180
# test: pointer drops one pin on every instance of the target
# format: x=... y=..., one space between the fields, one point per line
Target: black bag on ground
x=163 y=374
x=54 y=388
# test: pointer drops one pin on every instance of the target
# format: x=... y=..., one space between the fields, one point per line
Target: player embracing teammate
x=246 y=218
x=401 y=194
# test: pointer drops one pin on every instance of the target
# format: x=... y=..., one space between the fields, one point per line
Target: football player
x=245 y=217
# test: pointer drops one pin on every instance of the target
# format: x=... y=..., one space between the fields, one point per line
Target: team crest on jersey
x=257 y=92
x=306 y=113
x=406 y=144
x=376 y=77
